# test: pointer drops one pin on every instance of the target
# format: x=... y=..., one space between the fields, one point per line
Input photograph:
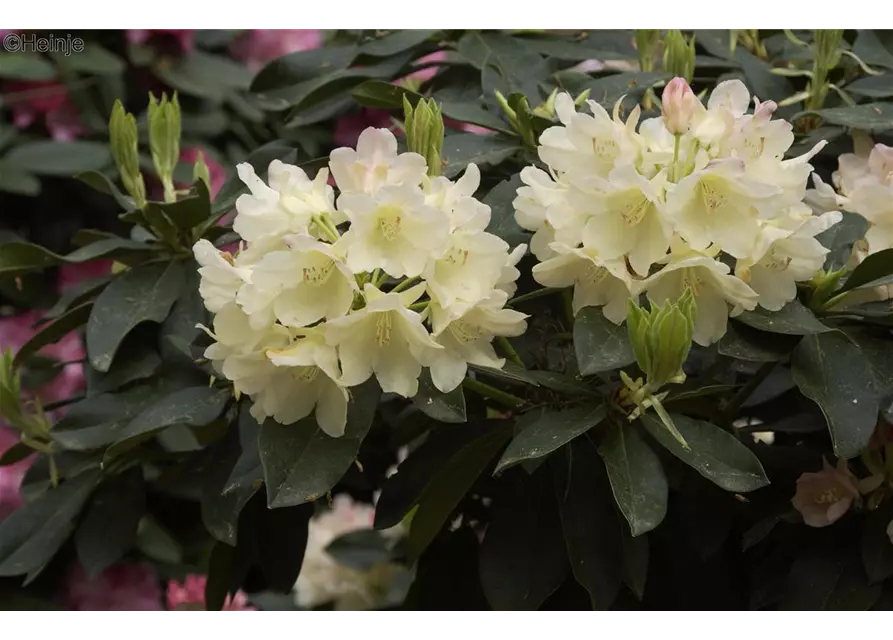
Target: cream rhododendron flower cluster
x=394 y=274
x=701 y=198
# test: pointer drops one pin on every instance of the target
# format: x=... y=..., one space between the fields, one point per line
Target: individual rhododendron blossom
x=700 y=198
x=383 y=274
x=324 y=581
x=189 y=595
x=121 y=587
x=825 y=496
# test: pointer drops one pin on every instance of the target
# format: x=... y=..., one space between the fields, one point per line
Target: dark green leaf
x=384 y=95
x=302 y=65
x=188 y=212
x=542 y=431
x=145 y=293
x=875 y=116
x=17 y=258
x=16 y=180
x=465 y=104
x=871 y=50
x=443 y=407
x=109 y=528
x=25 y=66
x=444 y=493
x=792 y=319
x=54 y=331
x=390 y=43
x=220 y=572
x=301 y=463
x=604 y=45
x=637 y=477
x=877 y=550
x=157 y=543
x=461 y=149
x=16 y=453
x=93 y=60
x=715 y=454
x=52 y=158
x=872 y=86
x=833 y=372
x=840 y=238
x=203 y=74
x=591 y=530
x=281 y=540
x=502 y=212
x=600 y=344
x=195 y=406
x=137 y=361
x=75 y=295
x=744 y=343
x=873 y=267
x=359 y=550
x=524 y=523
x=32 y=534
x=635 y=563
x=609 y=89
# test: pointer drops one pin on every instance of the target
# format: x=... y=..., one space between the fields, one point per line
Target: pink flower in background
x=10 y=475
x=190 y=595
x=348 y=128
x=257 y=47
x=71 y=274
x=122 y=587
x=43 y=100
x=184 y=38
x=215 y=170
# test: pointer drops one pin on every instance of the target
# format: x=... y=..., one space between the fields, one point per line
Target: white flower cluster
x=672 y=205
x=864 y=186
x=307 y=309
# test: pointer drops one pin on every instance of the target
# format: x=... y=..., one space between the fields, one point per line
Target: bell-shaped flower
x=393 y=230
x=758 y=136
x=509 y=275
x=313 y=367
x=299 y=286
x=456 y=199
x=596 y=282
x=713 y=288
x=384 y=338
x=221 y=279
x=627 y=219
x=469 y=337
x=532 y=205
x=785 y=256
x=375 y=164
x=728 y=101
x=719 y=205
x=585 y=145
x=287 y=205
x=469 y=268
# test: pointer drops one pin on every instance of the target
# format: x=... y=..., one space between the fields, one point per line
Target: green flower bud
x=124 y=143
x=679 y=55
x=164 y=140
x=826 y=47
x=661 y=339
x=424 y=132
x=547 y=109
x=200 y=171
x=583 y=97
x=646 y=44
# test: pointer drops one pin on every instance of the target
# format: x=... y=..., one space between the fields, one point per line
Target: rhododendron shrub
x=454 y=320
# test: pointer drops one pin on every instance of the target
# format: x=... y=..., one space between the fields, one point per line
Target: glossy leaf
x=443 y=407
x=502 y=212
x=600 y=344
x=463 y=148
x=792 y=319
x=60 y=158
x=54 y=331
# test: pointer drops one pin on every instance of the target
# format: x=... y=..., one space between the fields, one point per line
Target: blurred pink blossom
x=10 y=475
x=71 y=274
x=257 y=47
x=184 y=38
x=348 y=128
x=190 y=595
x=47 y=100
x=122 y=587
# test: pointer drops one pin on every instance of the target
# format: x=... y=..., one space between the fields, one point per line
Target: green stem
x=405 y=284
x=375 y=276
x=419 y=306
x=493 y=393
x=509 y=351
x=533 y=294
x=728 y=414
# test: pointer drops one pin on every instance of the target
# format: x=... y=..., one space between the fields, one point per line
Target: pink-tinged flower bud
x=823 y=497
x=679 y=104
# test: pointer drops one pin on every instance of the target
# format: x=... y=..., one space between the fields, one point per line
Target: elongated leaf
x=609 y=89
x=714 y=453
x=444 y=407
x=792 y=319
x=384 y=95
x=591 y=531
x=54 y=331
x=75 y=295
x=871 y=50
x=873 y=267
x=388 y=44
x=637 y=477
x=463 y=148
x=524 y=523
x=502 y=212
x=833 y=372
x=446 y=491
x=194 y=406
x=281 y=541
x=31 y=535
x=25 y=66
x=104 y=184
x=20 y=257
x=875 y=116
x=541 y=432
x=145 y=293
x=302 y=65
x=60 y=158
x=109 y=528
x=506 y=64
x=301 y=463
x=840 y=238
x=745 y=343
x=872 y=86
x=600 y=344
x=636 y=553
x=137 y=361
